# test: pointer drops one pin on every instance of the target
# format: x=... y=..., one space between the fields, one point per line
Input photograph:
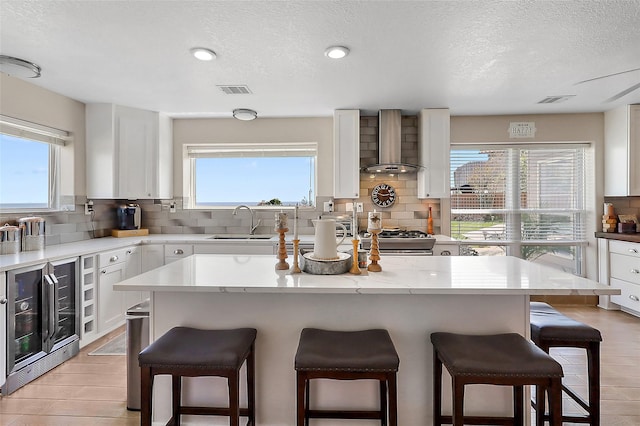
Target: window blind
x=528 y=194
x=306 y=149
x=36 y=132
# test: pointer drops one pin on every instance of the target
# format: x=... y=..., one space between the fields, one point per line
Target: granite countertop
x=497 y=275
x=632 y=238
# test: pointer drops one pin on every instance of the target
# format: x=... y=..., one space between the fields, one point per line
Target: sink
x=239 y=237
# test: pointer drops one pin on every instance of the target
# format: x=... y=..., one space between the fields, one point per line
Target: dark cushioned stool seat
x=550 y=328
x=189 y=352
x=347 y=355
x=501 y=359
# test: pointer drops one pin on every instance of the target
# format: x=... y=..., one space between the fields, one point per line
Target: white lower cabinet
x=623 y=261
x=152 y=256
x=173 y=252
x=446 y=249
x=111 y=305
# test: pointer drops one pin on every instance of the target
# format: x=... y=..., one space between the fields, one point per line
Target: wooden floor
x=91 y=390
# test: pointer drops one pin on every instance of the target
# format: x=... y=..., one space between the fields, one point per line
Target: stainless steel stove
x=396 y=241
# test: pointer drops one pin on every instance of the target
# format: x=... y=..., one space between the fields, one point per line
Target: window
x=29 y=166
x=255 y=175
x=522 y=201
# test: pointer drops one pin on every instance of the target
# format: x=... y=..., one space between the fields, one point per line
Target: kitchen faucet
x=253 y=228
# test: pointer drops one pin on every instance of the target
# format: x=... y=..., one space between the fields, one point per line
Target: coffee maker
x=129 y=216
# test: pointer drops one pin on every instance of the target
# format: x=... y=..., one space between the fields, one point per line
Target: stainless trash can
x=137 y=339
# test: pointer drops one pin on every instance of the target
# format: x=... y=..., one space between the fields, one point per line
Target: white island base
x=411 y=298
x=279 y=318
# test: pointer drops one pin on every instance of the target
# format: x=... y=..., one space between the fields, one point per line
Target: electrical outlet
x=172 y=207
x=359 y=207
x=88 y=207
x=328 y=206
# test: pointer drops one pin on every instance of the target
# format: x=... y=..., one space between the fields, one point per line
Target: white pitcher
x=325 y=245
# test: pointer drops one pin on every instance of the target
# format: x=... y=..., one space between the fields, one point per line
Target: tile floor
x=91 y=390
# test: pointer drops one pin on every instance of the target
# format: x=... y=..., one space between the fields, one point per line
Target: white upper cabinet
x=433 y=153
x=622 y=151
x=129 y=153
x=346 y=153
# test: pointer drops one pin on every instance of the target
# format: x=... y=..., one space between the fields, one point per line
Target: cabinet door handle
x=104 y=271
x=129 y=252
x=634 y=251
x=178 y=251
x=3 y=301
x=634 y=298
x=635 y=271
x=113 y=258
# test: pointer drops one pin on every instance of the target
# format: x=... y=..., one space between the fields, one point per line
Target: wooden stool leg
x=176 y=399
x=251 y=387
x=383 y=402
x=393 y=399
x=234 y=398
x=437 y=390
x=458 y=401
x=301 y=385
x=518 y=406
x=146 y=395
x=555 y=402
x=593 y=365
x=540 y=405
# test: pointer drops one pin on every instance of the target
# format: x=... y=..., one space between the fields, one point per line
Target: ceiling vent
x=235 y=90
x=555 y=99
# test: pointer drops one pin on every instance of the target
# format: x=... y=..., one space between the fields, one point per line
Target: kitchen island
x=412 y=297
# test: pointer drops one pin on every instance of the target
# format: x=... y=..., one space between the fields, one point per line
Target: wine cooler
x=42 y=320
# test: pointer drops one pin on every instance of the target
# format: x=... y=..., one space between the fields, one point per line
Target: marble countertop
x=499 y=275
x=97 y=245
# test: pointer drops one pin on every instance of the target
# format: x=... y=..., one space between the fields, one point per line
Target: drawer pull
x=104 y=271
x=178 y=251
x=129 y=251
x=634 y=298
x=634 y=251
x=113 y=258
x=635 y=271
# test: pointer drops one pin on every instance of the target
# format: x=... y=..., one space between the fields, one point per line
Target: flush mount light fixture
x=244 y=114
x=336 y=52
x=17 y=67
x=203 y=54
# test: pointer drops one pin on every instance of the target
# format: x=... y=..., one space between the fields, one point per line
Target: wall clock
x=383 y=195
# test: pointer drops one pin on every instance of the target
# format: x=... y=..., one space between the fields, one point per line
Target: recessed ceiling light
x=336 y=52
x=203 y=54
x=244 y=114
x=17 y=67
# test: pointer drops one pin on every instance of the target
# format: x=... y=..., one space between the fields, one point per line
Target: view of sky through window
x=24 y=173
x=254 y=180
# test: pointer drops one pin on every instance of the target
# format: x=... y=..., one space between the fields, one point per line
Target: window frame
x=191 y=152
x=513 y=216
x=56 y=139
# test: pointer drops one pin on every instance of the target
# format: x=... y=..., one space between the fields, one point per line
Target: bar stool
x=347 y=355
x=551 y=329
x=500 y=359
x=189 y=352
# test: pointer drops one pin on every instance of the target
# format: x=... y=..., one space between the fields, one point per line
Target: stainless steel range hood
x=389 y=145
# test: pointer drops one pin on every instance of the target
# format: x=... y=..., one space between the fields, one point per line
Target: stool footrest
x=473 y=420
x=211 y=411
x=342 y=414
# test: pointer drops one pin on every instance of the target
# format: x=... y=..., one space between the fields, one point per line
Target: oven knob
x=445 y=253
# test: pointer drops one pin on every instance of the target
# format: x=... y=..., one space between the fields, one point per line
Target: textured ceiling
x=475 y=57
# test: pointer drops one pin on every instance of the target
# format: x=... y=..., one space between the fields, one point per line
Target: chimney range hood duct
x=389 y=145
